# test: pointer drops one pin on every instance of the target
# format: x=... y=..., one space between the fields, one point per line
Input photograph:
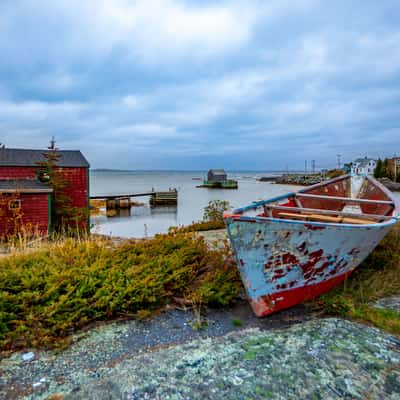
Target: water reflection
x=164 y=210
x=118 y=212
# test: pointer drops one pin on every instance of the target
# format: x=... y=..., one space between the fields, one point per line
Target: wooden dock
x=119 y=196
x=164 y=198
x=122 y=201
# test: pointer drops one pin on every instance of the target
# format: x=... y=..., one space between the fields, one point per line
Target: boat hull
x=283 y=263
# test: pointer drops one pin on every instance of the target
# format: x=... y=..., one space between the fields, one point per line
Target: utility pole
x=305 y=166
x=52 y=144
x=339 y=161
x=313 y=166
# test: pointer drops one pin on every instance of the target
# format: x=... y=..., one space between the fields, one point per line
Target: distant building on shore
x=25 y=195
x=347 y=168
x=363 y=166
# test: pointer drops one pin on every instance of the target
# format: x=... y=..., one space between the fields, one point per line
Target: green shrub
x=204 y=226
x=47 y=293
x=215 y=210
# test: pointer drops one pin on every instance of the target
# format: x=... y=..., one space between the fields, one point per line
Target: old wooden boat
x=295 y=247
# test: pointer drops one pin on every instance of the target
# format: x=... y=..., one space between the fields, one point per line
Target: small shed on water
x=24 y=195
x=216 y=175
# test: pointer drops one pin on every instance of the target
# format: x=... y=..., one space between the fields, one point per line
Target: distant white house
x=363 y=166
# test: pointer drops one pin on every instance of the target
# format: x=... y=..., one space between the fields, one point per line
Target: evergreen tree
x=64 y=216
x=378 y=169
x=387 y=170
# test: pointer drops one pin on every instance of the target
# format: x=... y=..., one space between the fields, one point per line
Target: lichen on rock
x=321 y=359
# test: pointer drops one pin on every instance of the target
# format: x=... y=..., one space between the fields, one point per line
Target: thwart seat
x=324 y=218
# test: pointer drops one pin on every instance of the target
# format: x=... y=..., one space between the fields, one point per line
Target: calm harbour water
x=146 y=221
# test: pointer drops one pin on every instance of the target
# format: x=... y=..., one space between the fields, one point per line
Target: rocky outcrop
x=300 y=179
x=322 y=359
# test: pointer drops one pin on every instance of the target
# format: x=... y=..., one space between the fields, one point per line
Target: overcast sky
x=168 y=84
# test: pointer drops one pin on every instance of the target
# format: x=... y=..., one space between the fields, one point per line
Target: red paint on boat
x=289 y=258
x=314 y=227
x=265 y=305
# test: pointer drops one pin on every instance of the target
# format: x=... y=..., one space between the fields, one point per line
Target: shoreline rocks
x=327 y=358
x=300 y=179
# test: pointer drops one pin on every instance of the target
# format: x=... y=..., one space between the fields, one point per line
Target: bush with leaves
x=48 y=293
x=214 y=211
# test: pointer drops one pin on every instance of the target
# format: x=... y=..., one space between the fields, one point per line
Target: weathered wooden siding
x=34 y=213
x=77 y=190
x=18 y=172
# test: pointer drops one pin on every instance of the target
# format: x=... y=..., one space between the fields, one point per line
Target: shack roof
x=23 y=186
x=31 y=158
x=217 y=171
x=363 y=162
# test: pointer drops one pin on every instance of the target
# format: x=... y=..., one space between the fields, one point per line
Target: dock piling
x=118 y=202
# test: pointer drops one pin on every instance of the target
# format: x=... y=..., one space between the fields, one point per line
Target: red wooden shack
x=25 y=199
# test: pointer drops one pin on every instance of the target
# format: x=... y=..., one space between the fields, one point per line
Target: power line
x=339 y=161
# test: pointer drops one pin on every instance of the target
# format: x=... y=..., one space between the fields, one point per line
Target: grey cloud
x=248 y=82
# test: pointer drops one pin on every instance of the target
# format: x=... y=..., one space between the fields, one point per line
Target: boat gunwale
x=327 y=212
x=394 y=199
x=237 y=214
x=243 y=218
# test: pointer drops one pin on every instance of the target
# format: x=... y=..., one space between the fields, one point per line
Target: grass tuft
x=203 y=226
x=377 y=277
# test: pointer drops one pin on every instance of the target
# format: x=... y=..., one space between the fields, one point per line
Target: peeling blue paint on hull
x=284 y=262
x=276 y=257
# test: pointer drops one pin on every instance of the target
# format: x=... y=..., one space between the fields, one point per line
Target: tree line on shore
x=385 y=170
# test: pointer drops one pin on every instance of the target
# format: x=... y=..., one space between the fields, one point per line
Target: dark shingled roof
x=217 y=171
x=23 y=186
x=30 y=158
